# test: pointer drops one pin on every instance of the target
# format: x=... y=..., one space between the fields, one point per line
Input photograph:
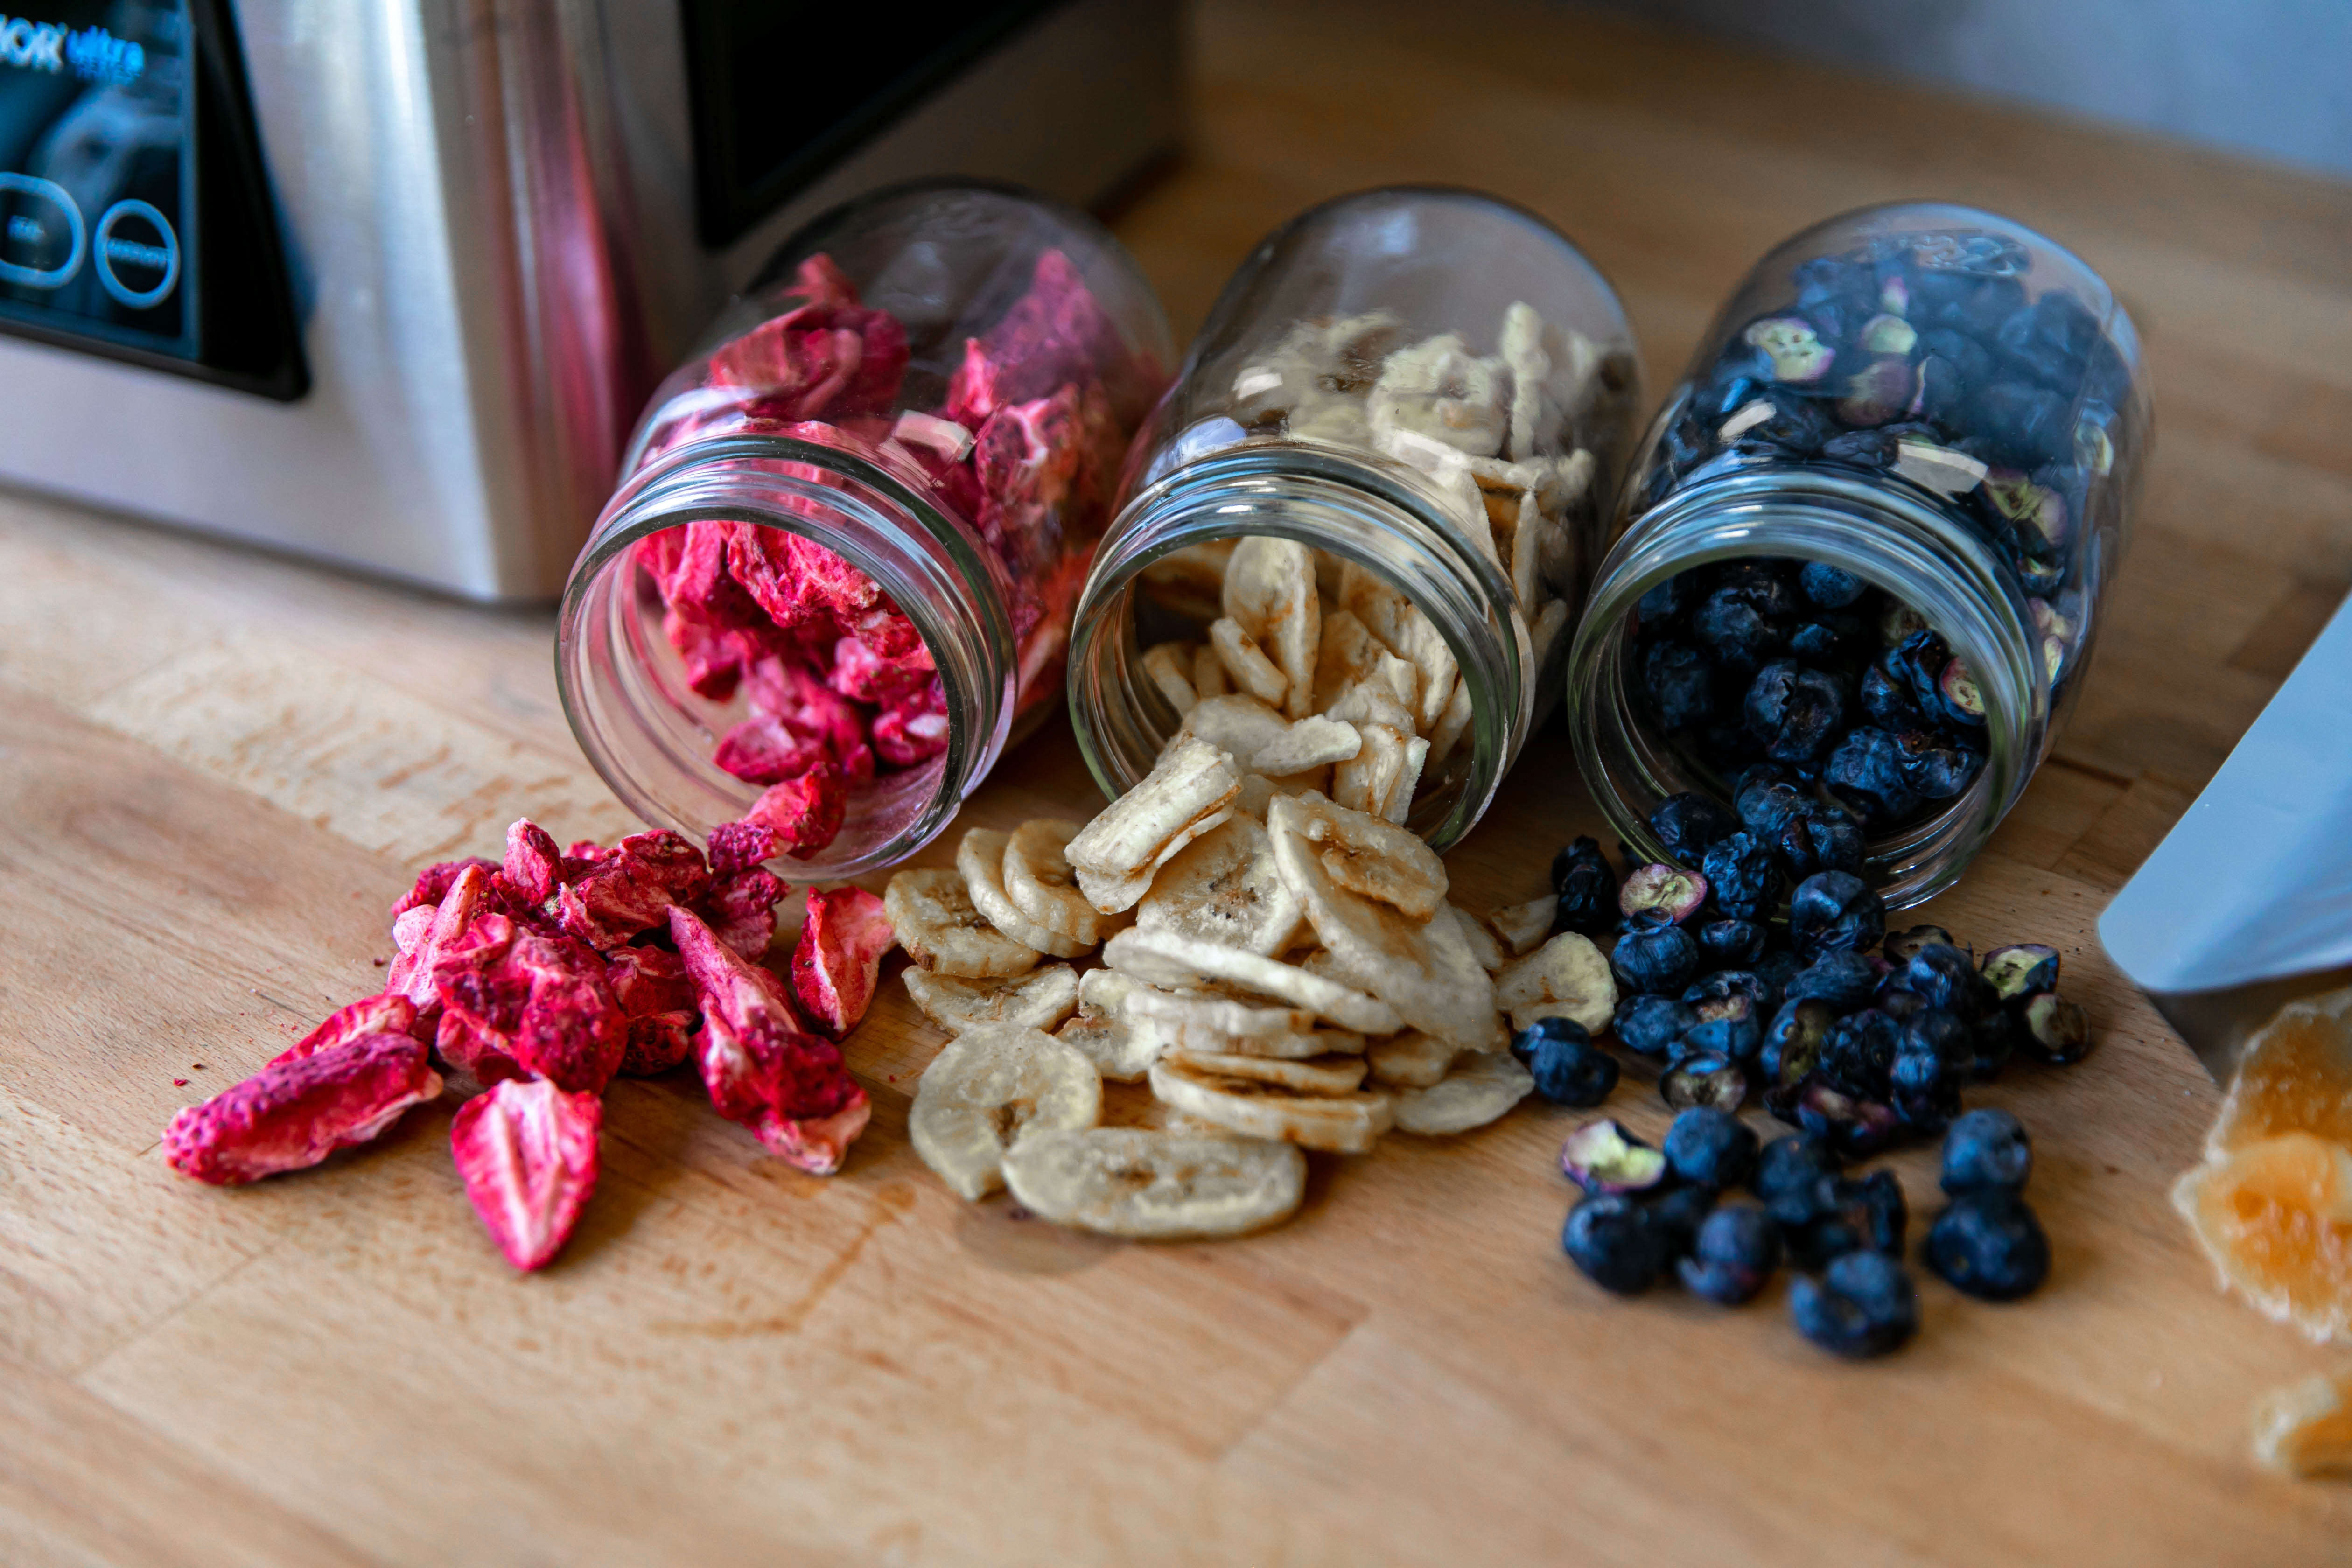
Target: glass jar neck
x=1390 y=522
x=639 y=725
x=1892 y=538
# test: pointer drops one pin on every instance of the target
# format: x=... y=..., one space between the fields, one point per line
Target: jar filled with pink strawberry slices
x=836 y=580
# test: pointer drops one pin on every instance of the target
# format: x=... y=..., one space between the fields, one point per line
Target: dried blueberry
x=1687 y=824
x=1936 y=769
x=1944 y=975
x=1650 y=1025
x=1732 y=943
x=1664 y=602
x=1568 y=1069
x=1865 y=772
x=1865 y=1305
x=1744 y=877
x=1730 y=627
x=1995 y=1034
x=1711 y=1147
x=1887 y=700
x=1989 y=1245
x=2056 y=1031
x=1832 y=911
x=1794 y=349
x=1733 y=1257
x=1825 y=837
x=1681 y=684
x=1960 y=700
x=1602 y=1157
x=1669 y=889
x=1923 y=1091
x=1791 y=711
x=1853 y=1125
x=1793 y=1041
x=1736 y=1033
x=1792 y=1162
x=1657 y=958
x=2021 y=969
x=1767 y=801
x=1776 y=968
x=1943 y=1035
x=1704 y=1078
x=1586 y=889
x=1843 y=980
x=2024 y=425
x=1859 y=1052
x=1613 y=1242
x=1897 y=1003
x=1985 y=1149
x=1900 y=945
x=1676 y=1215
x=1831 y=588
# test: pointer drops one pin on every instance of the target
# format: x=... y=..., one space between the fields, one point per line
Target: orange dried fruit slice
x=2275 y=1217
x=2296 y=1076
x=2306 y=1429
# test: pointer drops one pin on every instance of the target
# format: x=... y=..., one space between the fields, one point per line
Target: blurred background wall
x=2266 y=77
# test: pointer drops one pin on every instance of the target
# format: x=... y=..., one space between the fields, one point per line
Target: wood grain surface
x=217 y=767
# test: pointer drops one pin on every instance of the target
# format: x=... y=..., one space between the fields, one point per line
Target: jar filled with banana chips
x=1352 y=539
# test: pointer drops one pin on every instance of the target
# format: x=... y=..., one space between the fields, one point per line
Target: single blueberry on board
x=1615 y=1242
x=1793 y=1040
x=1988 y=1243
x=1862 y=1305
x=1710 y=1147
x=1791 y=1163
x=1733 y=1257
x=2055 y=1030
x=1743 y=876
x=1987 y=1150
x=1657 y=958
x=1602 y=1157
x=1568 y=1069
x=1732 y=942
x=1845 y=979
x=1650 y=1026
x=1944 y=975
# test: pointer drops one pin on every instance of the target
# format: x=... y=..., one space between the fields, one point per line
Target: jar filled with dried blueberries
x=1857 y=564
x=837 y=577
x=1352 y=537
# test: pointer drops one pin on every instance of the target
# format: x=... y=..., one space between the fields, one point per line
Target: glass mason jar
x=837 y=577
x=1857 y=564
x=1369 y=497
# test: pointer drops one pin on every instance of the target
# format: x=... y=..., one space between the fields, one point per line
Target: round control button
x=112 y=250
x=36 y=225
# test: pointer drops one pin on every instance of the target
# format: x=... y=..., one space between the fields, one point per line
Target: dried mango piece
x=2306 y=1430
x=788 y=1086
x=293 y=1114
x=839 y=957
x=2296 y=1076
x=526 y=1151
x=2275 y=1217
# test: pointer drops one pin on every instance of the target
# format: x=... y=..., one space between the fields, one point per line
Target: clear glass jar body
x=1429 y=391
x=1937 y=403
x=851 y=529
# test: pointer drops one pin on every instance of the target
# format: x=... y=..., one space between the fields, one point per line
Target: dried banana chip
x=1374 y=701
x=1246 y=662
x=1450 y=724
x=1343 y=1123
x=945 y=933
x=1190 y=580
x=1567 y=977
x=987 y=1088
x=1317 y=1075
x=1348 y=654
x=1209 y=676
x=1371 y=858
x=1544 y=636
x=1236 y=723
x=1164 y=958
x=1312 y=743
x=1526 y=554
x=1438 y=388
x=1038 y=879
x=979 y=858
x=1222 y=888
x=1165 y=1036
x=1480 y=1089
x=1410 y=1060
x=1193 y=1017
x=1422 y=968
x=1191 y=790
x=1523 y=928
x=1483 y=943
x=1101 y=1032
x=1037 y=1000
x=1364 y=780
x=1404 y=631
x=1156 y=1187
x=1168 y=665
x=1270 y=593
x=1399 y=805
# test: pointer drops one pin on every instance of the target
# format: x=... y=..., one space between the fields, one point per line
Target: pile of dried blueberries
x=1861 y=1040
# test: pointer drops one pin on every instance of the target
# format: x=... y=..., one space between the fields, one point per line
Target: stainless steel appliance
x=385 y=281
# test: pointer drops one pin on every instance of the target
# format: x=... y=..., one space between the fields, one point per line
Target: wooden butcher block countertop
x=217 y=768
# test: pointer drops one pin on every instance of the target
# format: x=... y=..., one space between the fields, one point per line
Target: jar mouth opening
x=1921 y=558
x=652 y=738
x=1342 y=505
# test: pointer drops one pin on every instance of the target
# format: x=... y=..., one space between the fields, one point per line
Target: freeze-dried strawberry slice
x=810 y=709
x=516 y=1002
x=433 y=884
x=804 y=813
x=1055 y=332
x=788 y=1086
x=839 y=957
x=659 y=1042
x=421 y=941
x=830 y=358
x=389 y=1013
x=1027 y=459
x=741 y=908
x=527 y=1153
x=914 y=729
x=763 y=750
x=532 y=866
x=647 y=980
x=739 y=846
x=629 y=889
x=860 y=672
x=295 y=1113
